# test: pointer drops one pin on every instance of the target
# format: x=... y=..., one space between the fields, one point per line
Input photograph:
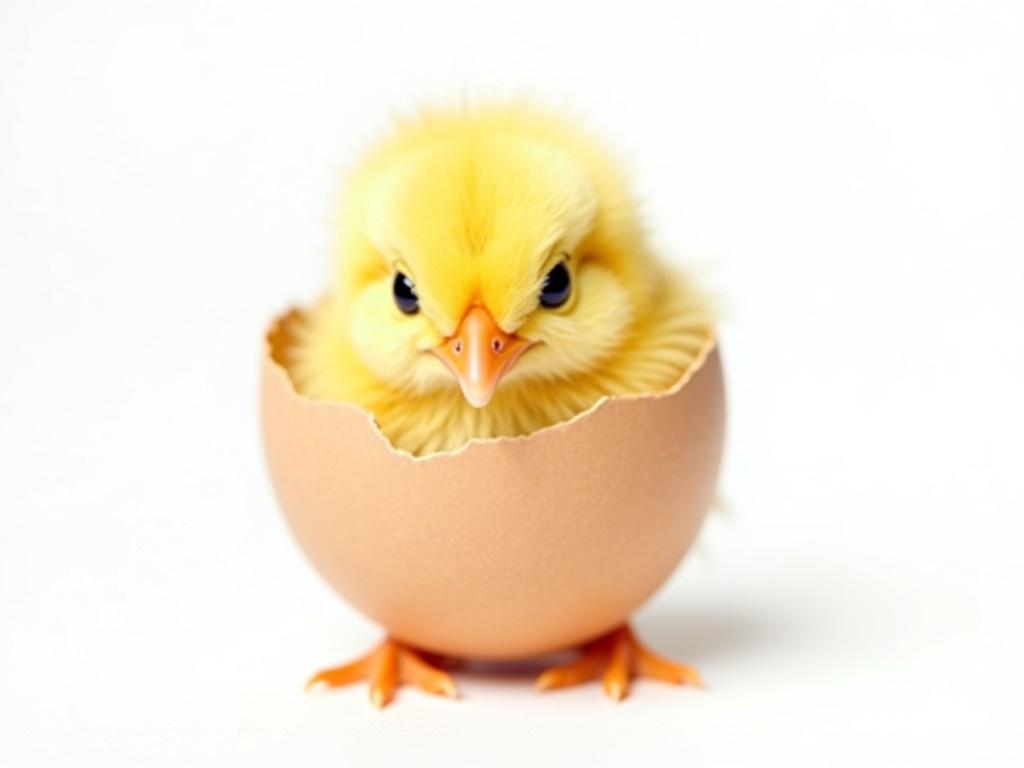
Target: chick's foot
x=617 y=658
x=386 y=667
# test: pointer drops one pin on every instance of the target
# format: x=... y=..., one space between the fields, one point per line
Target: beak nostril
x=479 y=353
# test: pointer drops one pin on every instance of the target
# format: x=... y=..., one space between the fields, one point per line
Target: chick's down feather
x=516 y=218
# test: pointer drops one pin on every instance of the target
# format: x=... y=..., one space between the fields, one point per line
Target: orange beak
x=479 y=353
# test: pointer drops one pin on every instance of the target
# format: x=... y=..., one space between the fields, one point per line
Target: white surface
x=849 y=179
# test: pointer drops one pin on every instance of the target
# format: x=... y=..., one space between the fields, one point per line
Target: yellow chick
x=493 y=278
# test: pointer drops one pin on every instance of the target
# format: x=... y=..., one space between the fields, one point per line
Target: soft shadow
x=511 y=671
x=693 y=636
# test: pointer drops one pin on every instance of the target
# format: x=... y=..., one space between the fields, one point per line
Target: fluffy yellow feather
x=475 y=207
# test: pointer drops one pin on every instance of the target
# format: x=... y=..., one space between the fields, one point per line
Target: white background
x=846 y=176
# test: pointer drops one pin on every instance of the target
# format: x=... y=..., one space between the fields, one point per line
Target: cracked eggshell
x=508 y=547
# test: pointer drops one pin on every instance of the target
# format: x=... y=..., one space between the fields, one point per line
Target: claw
x=617 y=658
x=343 y=675
x=387 y=667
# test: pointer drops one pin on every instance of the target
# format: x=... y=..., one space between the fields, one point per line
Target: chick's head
x=485 y=247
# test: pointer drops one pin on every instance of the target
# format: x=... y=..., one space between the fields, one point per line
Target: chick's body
x=493 y=279
x=475 y=209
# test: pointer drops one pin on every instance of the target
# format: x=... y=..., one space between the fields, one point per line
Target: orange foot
x=386 y=667
x=617 y=658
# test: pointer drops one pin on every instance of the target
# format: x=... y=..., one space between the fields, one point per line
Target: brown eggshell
x=508 y=547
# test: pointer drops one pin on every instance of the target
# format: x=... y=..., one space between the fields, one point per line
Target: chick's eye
x=557 y=287
x=405 y=294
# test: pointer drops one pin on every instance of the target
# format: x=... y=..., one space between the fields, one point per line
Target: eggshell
x=508 y=547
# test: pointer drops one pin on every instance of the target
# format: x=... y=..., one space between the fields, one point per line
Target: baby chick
x=493 y=279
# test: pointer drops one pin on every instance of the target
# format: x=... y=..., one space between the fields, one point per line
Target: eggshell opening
x=506 y=547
